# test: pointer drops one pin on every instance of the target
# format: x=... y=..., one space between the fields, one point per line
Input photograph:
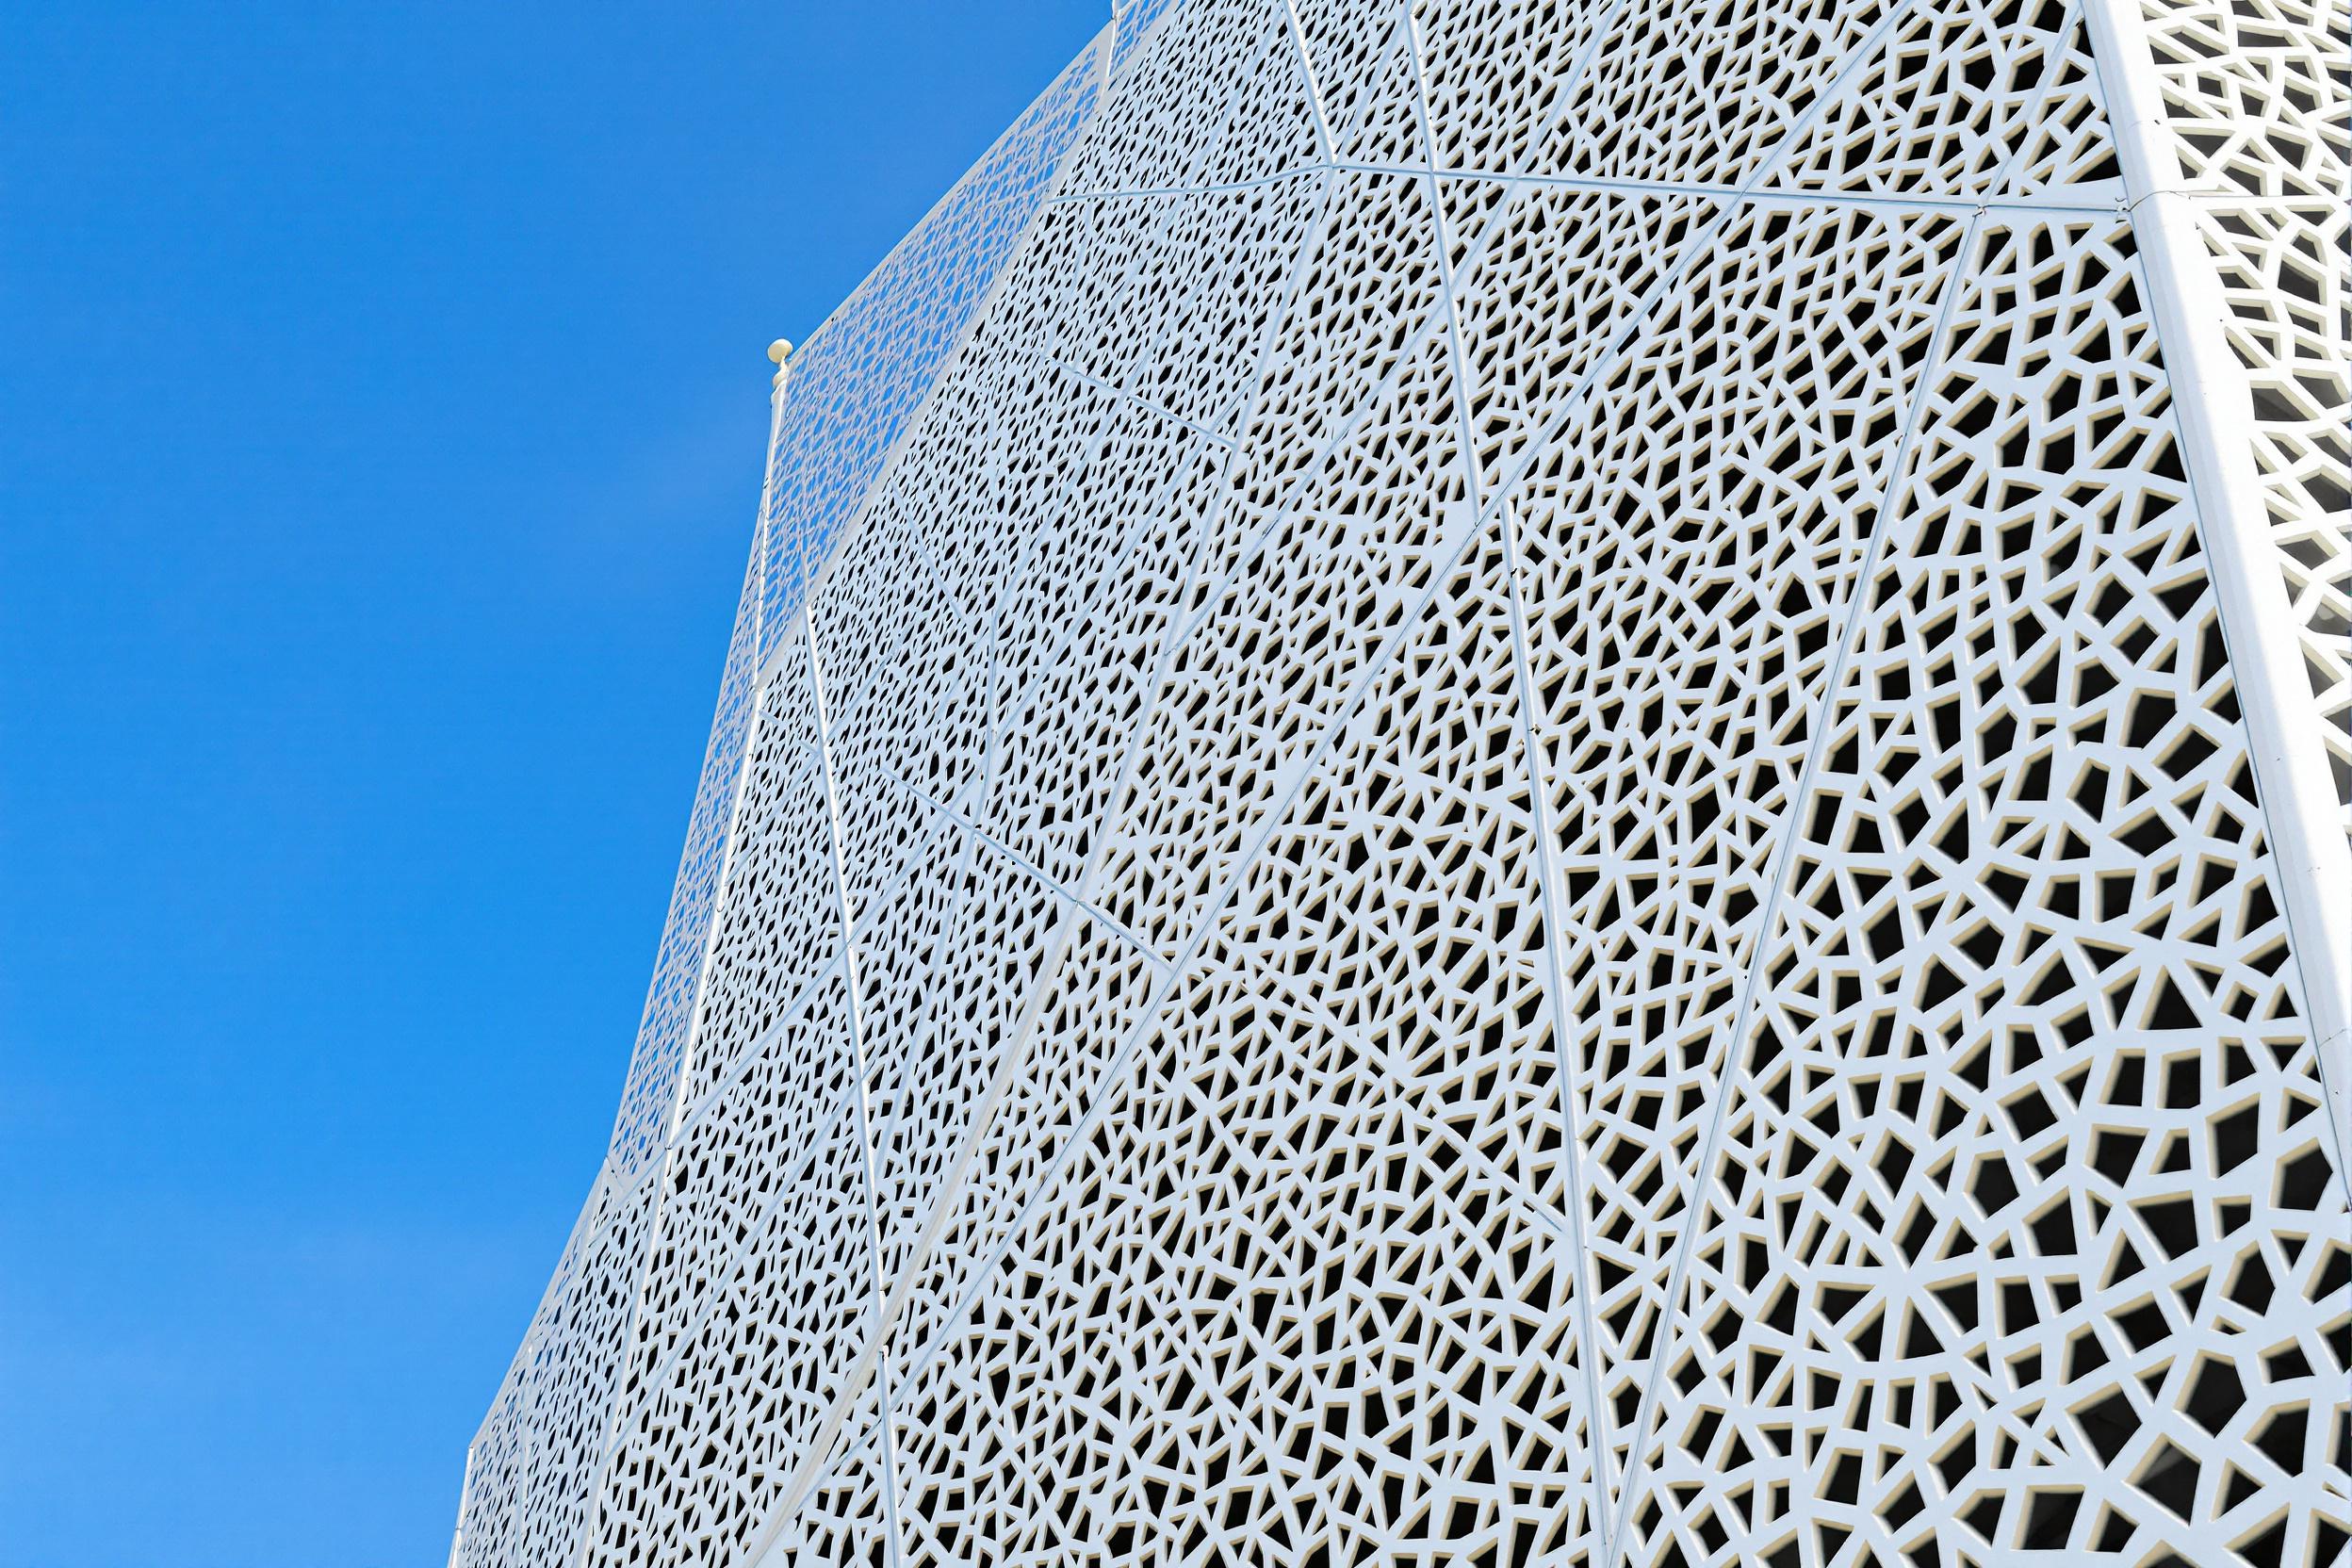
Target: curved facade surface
x=1512 y=782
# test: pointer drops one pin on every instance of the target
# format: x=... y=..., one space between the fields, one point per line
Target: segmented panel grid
x=1482 y=798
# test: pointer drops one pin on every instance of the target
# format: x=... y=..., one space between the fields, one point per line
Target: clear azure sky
x=382 y=404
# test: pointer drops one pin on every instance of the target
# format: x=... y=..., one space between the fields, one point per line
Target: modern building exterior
x=1513 y=782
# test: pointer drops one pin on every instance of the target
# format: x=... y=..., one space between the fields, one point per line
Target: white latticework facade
x=1515 y=781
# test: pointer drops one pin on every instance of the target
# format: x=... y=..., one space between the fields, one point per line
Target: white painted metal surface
x=1523 y=782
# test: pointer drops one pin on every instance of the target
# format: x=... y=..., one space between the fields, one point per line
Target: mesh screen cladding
x=1513 y=782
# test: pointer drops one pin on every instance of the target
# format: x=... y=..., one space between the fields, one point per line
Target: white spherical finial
x=779 y=351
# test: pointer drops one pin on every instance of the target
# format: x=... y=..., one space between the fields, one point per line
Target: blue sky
x=381 y=400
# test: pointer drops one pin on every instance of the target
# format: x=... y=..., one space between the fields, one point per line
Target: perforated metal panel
x=1513 y=782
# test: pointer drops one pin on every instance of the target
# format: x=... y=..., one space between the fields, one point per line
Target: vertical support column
x=781 y=355
x=780 y=352
x=465 y=1491
x=2214 y=407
